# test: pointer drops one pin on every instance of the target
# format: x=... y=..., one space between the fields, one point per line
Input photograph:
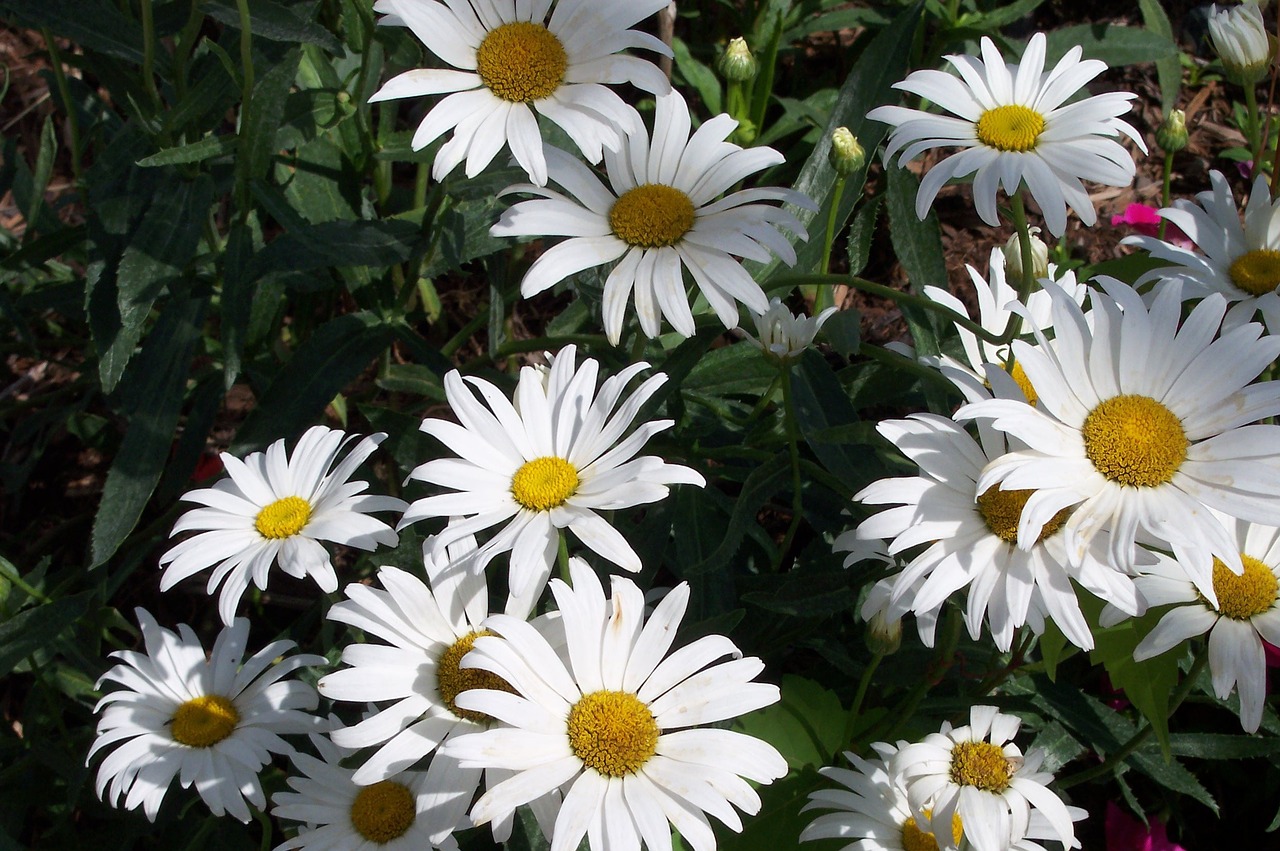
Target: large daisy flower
x=550 y=461
x=972 y=533
x=1242 y=262
x=660 y=215
x=1013 y=128
x=212 y=722
x=277 y=508
x=511 y=57
x=428 y=629
x=976 y=774
x=394 y=814
x=1247 y=612
x=1140 y=425
x=872 y=812
x=611 y=725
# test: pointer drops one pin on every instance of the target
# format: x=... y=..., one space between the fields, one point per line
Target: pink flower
x=1145 y=219
x=1126 y=833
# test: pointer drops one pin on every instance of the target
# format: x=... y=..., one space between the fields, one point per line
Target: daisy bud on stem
x=1171 y=137
x=1039 y=256
x=739 y=67
x=846 y=157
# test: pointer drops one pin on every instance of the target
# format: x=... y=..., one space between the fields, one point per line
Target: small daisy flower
x=1140 y=425
x=517 y=56
x=394 y=814
x=428 y=629
x=782 y=335
x=1013 y=128
x=1240 y=261
x=977 y=774
x=611 y=725
x=1246 y=613
x=972 y=537
x=277 y=508
x=660 y=216
x=550 y=461
x=212 y=722
x=883 y=612
x=1242 y=40
x=872 y=812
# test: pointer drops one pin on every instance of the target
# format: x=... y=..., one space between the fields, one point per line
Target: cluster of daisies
x=1107 y=443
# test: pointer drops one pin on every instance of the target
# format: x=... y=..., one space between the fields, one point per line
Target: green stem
x=901 y=714
x=246 y=56
x=562 y=558
x=1122 y=753
x=863 y=684
x=1165 y=190
x=1028 y=273
x=896 y=361
x=1253 y=126
x=793 y=447
x=638 y=345
x=29 y=590
x=420 y=182
x=149 y=55
x=64 y=92
x=182 y=48
x=824 y=297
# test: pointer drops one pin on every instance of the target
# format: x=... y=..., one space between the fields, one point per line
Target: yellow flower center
x=652 y=216
x=453 y=680
x=544 y=483
x=1135 y=441
x=1019 y=375
x=383 y=812
x=1248 y=594
x=521 y=62
x=1256 y=272
x=915 y=839
x=1002 y=509
x=612 y=732
x=204 y=721
x=980 y=764
x=283 y=518
x=1010 y=128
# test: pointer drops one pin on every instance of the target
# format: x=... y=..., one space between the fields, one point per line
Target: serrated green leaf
x=38 y=628
x=157 y=380
x=196 y=152
x=1007 y=13
x=822 y=404
x=273 y=22
x=1112 y=43
x=261 y=121
x=806 y=595
x=765 y=481
x=868 y=85
x=1222 y=746
x=738 y=369
x=861 y=230
x=330 y=358
x=806 y=725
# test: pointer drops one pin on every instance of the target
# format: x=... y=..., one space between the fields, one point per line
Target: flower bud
x=884 y=635
x=1172 y=135
x=1013 y=257
x=846 y=155
x=737 y=65
x=1241 y=40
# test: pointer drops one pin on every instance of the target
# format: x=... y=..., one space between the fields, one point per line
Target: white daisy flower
x=1247 y=611
x=977 y=773
x=517 y=56
x=549 y=462
x=1242 y=40
x=660 y=216
x=610 y=725
x=872 y=812
x=212 y=722
x=1013 y=128
x=997 y=300
x=428 y=629
x=783 y=335
x=972 y=536
x=1141 y=425
x=394 y=814
x=1242 y=262
x=278 y=508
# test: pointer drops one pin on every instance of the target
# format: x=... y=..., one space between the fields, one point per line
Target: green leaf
x=868 y=85
x=860 y=233
x=38 y=628
x=40 y=176
x=157 y=382
x=764 y=481
x=327 y=244
x=94 y=26
x=1112 y=43
x=918 y=244
x=273 y=22
x=1007 y=13
x=261 y=121
x=806 y=725
x=195 y=152
x=334 y=355
x=699 y=76
x=244 y=239
x=822 y=404
x=780 y=820
x=1222 y=746
x=738 y=369
x=806 y=595
x=1169 y=68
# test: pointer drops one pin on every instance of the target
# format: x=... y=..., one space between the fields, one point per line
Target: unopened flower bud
x=737 y=65
x=884 y=635
x=1242 y=42
x=1013 y=257
x=1172 y=135
x=846 y=155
